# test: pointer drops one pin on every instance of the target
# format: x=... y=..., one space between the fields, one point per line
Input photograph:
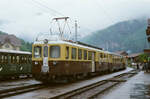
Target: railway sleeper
x=19 y=91
x=114 y=80
x=18 y=88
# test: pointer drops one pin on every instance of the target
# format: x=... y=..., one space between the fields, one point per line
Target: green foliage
x=143 y=57
x=25 y=46
x=2 y=32
x=127 y=35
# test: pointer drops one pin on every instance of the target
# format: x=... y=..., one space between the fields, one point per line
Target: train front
x=45 y=56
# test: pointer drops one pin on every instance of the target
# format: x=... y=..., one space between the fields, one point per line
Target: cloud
x=27 y=18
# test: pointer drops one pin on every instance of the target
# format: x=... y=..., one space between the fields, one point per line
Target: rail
x=93 y=90
x=19 y=90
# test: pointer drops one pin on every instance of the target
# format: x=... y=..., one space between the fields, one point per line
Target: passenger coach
x=55 y=60
x=15 y=63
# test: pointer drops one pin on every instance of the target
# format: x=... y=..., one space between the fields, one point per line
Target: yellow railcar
x=56 y=60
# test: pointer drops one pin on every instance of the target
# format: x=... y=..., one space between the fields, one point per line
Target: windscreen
x=54 y=51
x=37 y=51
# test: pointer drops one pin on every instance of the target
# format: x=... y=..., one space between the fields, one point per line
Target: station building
x=134 y=58
x=124 y=53
x=9 y=42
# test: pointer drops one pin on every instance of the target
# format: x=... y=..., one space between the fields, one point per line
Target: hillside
x=25 y=46
x=128 y=35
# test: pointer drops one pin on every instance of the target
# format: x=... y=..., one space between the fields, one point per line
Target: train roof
x=14 y=51
x=77 y=44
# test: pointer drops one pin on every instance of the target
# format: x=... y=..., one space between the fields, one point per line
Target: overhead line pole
x=76 y=30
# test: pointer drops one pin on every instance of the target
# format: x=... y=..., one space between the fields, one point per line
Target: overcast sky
x=27 y=18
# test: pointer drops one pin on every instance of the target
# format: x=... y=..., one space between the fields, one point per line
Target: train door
x=93 y=62
x=45 y=67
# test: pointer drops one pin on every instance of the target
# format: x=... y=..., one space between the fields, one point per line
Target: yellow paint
x=110 y=58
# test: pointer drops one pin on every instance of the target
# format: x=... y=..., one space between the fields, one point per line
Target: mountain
x=25 y=46
x=127 y=35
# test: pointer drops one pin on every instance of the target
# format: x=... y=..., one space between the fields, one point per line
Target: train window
x=37 y=51
x=89 y=55
x=105 y=55
x=1 y=61
x=45 y=51
x=101 y=55
x=80 y=54
x=67 y=52
x=6 y=59
x=11 y=58
x=20 y=59
x=85 y=54
x=2 y=58
x=54 y=51
x=30 y=59
x=74 y=53
x=17 y=59
x=25 y=59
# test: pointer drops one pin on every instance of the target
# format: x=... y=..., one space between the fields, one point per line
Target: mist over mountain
x=127 y=35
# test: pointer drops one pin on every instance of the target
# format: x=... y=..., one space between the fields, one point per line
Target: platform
x=138 y=87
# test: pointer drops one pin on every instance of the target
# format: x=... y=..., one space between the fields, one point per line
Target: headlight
x=54 y=63
x=36 y=63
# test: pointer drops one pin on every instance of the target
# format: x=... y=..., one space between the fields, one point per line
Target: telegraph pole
x=76 y=30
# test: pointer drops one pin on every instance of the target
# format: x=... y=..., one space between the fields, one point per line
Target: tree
x=143 y=57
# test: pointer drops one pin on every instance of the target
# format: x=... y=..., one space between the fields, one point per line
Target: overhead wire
x=55 y=13
x=104 y=11
x=41 y=8
x=50 y=9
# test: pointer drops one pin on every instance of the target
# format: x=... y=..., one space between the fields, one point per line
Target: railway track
x=11 y=80
x=93 y=90
x=19 y=90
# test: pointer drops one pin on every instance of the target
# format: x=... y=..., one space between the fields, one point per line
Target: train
x=57 y=59
x=14 y=64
